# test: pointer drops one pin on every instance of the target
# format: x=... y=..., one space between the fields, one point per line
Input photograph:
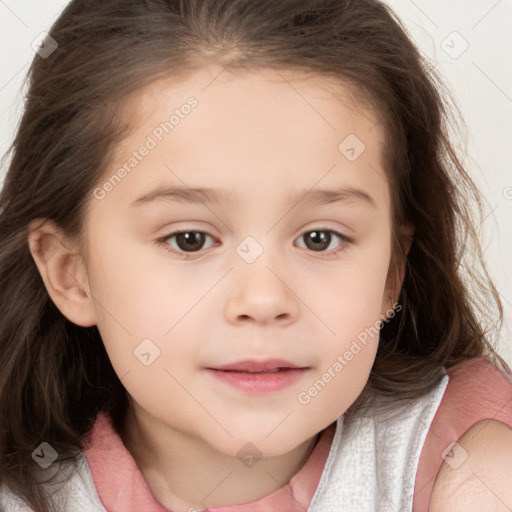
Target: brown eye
x=188 y=241
x=319 y=240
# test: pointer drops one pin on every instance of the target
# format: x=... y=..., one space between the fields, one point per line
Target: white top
x=373 y=461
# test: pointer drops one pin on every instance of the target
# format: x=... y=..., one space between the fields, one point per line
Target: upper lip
x=251 y=365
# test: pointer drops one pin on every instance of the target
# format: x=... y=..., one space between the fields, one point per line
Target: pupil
x=193 y=240
x=320 y=237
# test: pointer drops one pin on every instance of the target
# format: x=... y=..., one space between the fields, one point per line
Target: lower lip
x=259 y=382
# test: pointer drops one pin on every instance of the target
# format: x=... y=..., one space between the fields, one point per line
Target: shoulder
x=477 y=390
x=477 y=472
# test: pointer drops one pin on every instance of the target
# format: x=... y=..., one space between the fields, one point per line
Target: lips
x=254 y=366
x=257 y=377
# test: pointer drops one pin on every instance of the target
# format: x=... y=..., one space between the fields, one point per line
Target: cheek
x=144 y=315
x=350 y=308
x=132 y=293
x=350 y=299
x=344 y=367
x=337 y=385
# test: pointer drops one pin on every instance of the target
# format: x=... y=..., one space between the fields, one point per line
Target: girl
x=231 y=276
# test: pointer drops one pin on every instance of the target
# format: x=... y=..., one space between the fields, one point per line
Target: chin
x=256 y=444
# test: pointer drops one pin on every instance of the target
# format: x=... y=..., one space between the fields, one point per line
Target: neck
x=184 y=473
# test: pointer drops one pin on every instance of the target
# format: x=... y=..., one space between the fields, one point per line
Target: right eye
x=187 y=242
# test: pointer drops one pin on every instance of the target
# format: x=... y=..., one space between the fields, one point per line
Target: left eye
x=319 y=240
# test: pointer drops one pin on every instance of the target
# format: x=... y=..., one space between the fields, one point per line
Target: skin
x=482 y=480
x=259 y=136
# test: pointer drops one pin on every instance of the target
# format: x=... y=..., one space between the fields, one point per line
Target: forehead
x=233 y=92
x=252 y=132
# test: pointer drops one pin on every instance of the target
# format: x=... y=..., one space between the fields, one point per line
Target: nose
x=259 y=295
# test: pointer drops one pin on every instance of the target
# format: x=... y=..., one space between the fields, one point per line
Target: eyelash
x=345 y=242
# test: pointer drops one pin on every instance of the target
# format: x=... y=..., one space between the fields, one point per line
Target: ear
x=396 y=270
x=63 y=271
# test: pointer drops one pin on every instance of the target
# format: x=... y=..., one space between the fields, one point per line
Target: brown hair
x=55 y=376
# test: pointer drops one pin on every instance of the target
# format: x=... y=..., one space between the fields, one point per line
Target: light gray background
x=480 y=79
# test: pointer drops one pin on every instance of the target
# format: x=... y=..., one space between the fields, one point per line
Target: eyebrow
x=209 y=195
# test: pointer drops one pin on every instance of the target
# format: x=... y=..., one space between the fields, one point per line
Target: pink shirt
x=476 y=390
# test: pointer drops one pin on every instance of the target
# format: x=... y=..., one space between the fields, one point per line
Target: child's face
x=259 y=285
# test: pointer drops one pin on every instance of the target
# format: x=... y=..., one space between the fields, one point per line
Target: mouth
x=258 y=377
x=253 y=366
